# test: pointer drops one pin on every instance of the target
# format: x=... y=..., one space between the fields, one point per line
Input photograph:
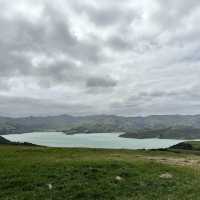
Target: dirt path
x=188 y=161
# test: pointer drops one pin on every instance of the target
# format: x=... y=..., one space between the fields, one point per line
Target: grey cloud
x=159 y=103
x=103 y=17
x=106 y=17
x=175 y=12
x=23 y=106
x=119 y=43
x=107 y=14
x=163 y=93
x=4 y=84
x=142 y=59
x=68 y=72
x=95 y=82
x=12 y=65
x=57 y=73
x=50 y=35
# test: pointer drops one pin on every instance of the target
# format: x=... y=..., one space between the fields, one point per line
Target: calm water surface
x=96 y=140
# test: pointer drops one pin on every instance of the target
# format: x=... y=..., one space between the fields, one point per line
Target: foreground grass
x=36 y=173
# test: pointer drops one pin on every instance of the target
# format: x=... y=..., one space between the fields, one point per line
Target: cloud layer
x=93 y=57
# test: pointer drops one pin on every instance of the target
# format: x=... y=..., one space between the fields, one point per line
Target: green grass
x=195 y=145
x=87 y=174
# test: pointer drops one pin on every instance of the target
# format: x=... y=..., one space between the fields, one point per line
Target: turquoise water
x=96 y=140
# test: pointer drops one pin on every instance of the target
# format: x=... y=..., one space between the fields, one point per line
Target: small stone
x=50 y=186
x=118 y=178
x=166 y=176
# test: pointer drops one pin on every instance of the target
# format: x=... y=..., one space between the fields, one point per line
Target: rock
x=50 y=186
x=166 y=176
x=118 y=178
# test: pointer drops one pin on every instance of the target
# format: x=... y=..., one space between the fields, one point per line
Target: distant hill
x=191 y=146
x=4 y=141
x=103 y=123
x=92 y=128
x=167 y=133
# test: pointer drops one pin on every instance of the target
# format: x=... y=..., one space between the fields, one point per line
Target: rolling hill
x=103 y=123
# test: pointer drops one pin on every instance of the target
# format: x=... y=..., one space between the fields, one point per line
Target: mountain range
x=103 y=123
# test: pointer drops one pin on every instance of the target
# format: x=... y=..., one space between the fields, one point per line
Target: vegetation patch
x=58 y=174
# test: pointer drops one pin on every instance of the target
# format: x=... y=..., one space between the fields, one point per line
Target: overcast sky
x=99 y=57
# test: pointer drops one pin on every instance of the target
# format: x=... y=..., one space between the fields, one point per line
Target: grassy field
x=38 y=173
x=195 y=145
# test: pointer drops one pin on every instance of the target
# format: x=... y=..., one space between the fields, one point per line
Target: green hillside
x=4 y=141
x=38 y=173
x=166 y=133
